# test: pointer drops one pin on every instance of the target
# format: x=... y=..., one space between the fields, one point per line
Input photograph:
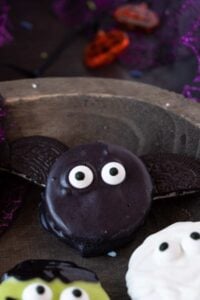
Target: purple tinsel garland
x=5 y=36
x=190 y=11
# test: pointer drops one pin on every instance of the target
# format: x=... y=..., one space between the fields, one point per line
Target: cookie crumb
x=112 y=254
x=34 y=85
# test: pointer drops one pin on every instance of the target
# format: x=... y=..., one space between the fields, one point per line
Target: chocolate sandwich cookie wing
x=32 y=157
x=89 y=189
x=173 y=174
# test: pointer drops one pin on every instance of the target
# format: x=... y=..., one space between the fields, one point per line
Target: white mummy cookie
x=167 y=265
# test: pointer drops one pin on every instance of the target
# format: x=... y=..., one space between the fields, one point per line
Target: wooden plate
x=140 y=117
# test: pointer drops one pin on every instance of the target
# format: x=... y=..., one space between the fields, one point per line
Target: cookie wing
x=173 y=174
x=31 y=157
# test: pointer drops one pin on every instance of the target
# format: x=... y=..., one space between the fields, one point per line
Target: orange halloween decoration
x=136 y=16
x=105 y=48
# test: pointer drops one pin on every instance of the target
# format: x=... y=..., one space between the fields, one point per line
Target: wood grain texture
x=81 y=110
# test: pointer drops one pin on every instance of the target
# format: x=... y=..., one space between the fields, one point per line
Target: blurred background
x=49 y=38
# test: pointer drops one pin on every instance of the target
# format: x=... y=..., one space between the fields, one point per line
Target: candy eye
x=167 y=252
x=81 y=177
x=195 y=236
x=191 y=244
x=163 y=247
x=113 y=173
x=37 y=291
x=74 y=293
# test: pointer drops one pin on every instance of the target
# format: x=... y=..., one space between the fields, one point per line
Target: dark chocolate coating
x=49 y=270
x=100 y=217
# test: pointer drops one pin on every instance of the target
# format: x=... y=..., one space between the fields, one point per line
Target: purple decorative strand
x=5 y=36
x=191 y=39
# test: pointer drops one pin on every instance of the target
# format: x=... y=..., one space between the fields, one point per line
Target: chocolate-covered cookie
x=96 y=196
x=50 y=280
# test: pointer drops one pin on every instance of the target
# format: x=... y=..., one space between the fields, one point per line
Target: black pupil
x=40 y=289
x=195 y=235
x=77 y=293
x=79 y=175
x=164 y=246
x=114 y=171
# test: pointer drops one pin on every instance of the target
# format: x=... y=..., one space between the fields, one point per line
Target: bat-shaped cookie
x=96 y=195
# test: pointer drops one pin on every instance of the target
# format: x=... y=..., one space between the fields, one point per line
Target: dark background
x=27 y=47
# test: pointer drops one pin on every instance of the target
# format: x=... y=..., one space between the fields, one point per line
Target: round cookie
x=167 y=265
x=96 y=196
x=50 y=280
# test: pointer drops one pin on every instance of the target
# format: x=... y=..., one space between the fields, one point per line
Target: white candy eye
x=191 y=244
x=37 y=291
x=113 y=173
x=74 y=293
x=168 y=251
x=81 y=177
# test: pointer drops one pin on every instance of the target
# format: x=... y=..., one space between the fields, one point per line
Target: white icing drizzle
x=169 y=271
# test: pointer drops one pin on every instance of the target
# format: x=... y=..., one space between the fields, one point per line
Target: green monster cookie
x=50 y=280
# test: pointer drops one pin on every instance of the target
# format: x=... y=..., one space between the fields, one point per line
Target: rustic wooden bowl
x=142 y=118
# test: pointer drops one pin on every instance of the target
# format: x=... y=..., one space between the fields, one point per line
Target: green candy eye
x=37 y=291
x=74 y=293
